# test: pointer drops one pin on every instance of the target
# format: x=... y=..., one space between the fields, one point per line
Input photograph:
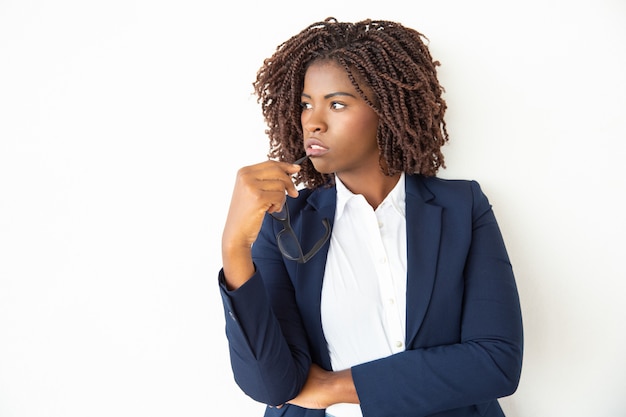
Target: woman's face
x=339 y=126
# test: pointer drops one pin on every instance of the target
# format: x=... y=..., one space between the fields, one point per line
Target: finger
x=276 y=176
x=263 y=186
x=284 y=185
x=268 y=170
x=290 y=170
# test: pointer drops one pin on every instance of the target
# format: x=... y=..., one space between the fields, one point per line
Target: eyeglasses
x=288 y=242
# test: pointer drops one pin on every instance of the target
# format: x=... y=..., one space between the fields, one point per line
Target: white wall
x=122 y=124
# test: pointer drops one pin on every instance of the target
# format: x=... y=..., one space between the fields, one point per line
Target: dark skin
x=344 y=126
x=339 y=137
x=391 y=62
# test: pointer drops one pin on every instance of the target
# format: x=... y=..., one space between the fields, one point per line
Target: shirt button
x=398 y=344
x=392 y=301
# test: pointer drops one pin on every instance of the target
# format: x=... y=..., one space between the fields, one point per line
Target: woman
x=377 y=289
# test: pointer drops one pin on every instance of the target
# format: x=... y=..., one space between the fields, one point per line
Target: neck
x=373 y=187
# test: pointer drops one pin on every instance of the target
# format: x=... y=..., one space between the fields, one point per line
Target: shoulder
x=442 y=186
x=446 y=192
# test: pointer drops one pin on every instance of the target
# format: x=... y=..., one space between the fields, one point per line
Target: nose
x=313 y=121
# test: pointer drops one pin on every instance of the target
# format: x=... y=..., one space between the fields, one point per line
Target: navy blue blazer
x=463 y=323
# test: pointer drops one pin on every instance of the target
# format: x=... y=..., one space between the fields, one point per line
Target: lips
x=314 y=147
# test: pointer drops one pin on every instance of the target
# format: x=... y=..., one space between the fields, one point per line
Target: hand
x=325 y=388
x=259 y=189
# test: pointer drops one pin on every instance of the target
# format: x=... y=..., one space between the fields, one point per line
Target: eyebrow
x=327 y=96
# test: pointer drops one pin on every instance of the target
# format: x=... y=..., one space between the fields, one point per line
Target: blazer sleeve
x=268 y=346
x=484 y=363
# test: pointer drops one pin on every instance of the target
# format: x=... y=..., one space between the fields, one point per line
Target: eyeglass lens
x=288 y=242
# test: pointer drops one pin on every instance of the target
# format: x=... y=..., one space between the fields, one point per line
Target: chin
x=321 y=167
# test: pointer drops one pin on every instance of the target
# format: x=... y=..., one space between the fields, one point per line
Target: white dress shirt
x=363 y=305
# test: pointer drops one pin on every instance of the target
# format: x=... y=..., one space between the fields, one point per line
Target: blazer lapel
x=310 y=275
x=423 y=223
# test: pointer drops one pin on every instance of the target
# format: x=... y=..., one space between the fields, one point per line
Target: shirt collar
x=396 y=197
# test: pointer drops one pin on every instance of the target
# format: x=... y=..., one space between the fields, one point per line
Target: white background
x=122 y=125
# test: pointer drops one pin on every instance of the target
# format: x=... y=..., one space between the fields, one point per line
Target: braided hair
x=394 y=63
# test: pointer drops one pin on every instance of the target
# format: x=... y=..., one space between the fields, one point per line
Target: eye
x=305 y=106
x=335 y=105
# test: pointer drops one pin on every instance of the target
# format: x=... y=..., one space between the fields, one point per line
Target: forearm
x=237 y=265
x=442 y=377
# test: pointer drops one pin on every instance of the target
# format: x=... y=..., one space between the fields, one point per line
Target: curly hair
x=395 y=64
